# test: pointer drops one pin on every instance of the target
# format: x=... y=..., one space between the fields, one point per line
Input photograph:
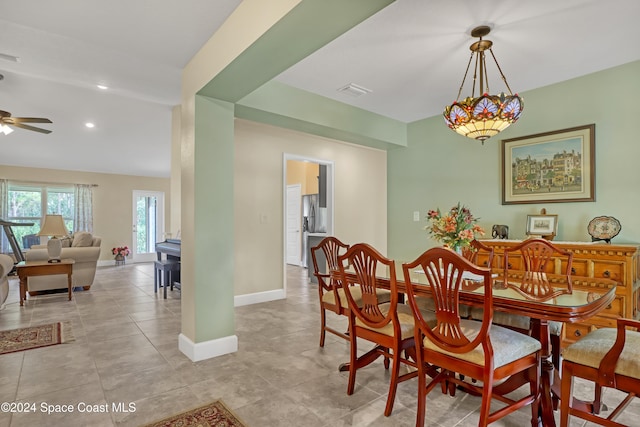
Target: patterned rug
x=35 y=337
x=215 y=414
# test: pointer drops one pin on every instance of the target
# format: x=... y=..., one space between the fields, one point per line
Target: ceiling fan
x=6 y=120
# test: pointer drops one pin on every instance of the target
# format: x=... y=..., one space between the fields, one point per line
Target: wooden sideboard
x=592 y=262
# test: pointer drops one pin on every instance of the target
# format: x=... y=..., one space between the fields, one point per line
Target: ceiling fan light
x=5 y=129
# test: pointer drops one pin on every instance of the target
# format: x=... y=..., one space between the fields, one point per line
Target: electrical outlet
x=416 y=215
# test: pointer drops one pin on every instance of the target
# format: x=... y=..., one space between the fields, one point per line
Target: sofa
x=83 y=248
x=6 y=265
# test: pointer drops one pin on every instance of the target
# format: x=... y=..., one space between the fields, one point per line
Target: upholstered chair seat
x=607 y=357
x=590 y=350
x=508 y=345
x=515 y=321
x=405 y=316
x=428 y=304
x=329 y=298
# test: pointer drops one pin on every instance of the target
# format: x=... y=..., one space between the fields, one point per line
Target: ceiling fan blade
x=27 y=127
x=28 y=120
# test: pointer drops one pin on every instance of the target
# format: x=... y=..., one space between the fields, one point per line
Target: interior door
x=148 y=224
x=293 y=224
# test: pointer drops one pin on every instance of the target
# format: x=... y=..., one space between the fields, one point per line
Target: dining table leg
x=540 y=331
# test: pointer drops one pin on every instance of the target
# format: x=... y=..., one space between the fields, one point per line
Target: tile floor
x=126 y=352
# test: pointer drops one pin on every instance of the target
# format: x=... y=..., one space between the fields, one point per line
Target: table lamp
x=53 y=226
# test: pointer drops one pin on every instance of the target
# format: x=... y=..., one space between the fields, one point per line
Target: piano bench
x=164 y=268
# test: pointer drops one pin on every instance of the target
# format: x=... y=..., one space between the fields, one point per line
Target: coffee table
x=43 y=268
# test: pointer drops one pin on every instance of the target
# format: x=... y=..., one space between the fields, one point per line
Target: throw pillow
x=65 y=241
x=82 y=239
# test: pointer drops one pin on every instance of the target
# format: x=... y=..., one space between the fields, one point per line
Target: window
x=29 y=203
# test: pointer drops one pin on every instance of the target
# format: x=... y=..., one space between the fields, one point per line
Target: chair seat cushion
x=507 y=345
x=427 y=303
x=517 y=321
x=590 y=350
x=405 y=316
x=384 y=295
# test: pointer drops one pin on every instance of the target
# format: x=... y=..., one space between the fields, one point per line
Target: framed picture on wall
x=549 y=167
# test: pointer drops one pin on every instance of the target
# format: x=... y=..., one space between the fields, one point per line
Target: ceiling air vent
x=354 y=90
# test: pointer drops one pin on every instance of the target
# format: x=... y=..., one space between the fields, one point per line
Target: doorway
x=148 y=224
x=317 y=186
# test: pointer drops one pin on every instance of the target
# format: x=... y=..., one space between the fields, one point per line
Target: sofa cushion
x=66 y=241
x=82 y=239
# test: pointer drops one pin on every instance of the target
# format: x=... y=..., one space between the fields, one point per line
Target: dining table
x=588 y=297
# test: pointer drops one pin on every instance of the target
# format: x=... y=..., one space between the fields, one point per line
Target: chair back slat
x=471 y=252
x=365 y=261
x=538 y=259
x=331 y=248
x=445 y=273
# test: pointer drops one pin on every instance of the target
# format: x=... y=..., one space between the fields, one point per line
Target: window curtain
x=4 y=212
x=83 y=215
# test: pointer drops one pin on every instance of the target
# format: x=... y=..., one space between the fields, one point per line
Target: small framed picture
x=542 y=225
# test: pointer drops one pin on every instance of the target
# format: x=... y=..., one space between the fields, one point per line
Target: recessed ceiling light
x=89 y=125
x=103 y=87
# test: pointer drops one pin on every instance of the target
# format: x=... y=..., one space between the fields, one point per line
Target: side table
x=43 y=268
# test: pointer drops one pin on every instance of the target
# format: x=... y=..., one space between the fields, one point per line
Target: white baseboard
x=258 y=297
x=207 y=349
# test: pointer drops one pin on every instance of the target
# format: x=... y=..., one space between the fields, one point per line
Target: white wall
x=360 y=198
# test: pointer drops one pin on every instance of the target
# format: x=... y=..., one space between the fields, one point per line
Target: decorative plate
x=604 y=228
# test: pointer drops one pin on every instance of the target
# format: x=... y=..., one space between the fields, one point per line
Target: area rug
x=35 y=337
x=215 y=414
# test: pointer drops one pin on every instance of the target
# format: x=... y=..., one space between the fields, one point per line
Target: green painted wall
x=214 y=196
x=439 y=168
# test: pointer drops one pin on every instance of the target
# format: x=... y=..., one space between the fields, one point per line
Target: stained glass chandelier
x=487 y=115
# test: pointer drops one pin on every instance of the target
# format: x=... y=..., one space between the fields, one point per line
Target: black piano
x=170 y=247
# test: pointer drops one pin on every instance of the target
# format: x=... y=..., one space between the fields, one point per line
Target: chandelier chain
x=504 y=79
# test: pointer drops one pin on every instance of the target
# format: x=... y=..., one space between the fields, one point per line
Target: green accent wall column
x=214 y=153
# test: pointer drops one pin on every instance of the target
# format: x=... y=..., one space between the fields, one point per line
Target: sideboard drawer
x=579 y=267
x=609 y=270
x=574 y=331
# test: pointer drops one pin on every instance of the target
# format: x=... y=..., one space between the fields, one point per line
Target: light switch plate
x=416 y=216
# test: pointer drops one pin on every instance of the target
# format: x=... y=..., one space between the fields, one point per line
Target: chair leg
x=485 y=406
x=353 y=360
x=155 y=280
x=566 y=391
x=422 y=393
x=393 y=384
x=323 y=325
x=555 y=350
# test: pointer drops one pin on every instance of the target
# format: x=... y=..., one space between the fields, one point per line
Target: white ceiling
x=412 y=55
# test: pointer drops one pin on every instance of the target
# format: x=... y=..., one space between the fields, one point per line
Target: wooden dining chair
x=536 y=257
x=330 y=291
x=389 y=325
x=608 y=357
x=478 y=350
x=472 y=254
x=329 y=286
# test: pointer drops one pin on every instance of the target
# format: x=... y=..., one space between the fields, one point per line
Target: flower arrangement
x=455 y=229
x=122 y=251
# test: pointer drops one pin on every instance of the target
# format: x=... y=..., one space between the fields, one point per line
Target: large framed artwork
x=550 y=167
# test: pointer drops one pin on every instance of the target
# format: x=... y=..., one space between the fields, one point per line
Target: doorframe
x=330 y=164
x=286 y=222
x=160 y=224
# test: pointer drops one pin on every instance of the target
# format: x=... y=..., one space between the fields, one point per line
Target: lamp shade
x=53 y=226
